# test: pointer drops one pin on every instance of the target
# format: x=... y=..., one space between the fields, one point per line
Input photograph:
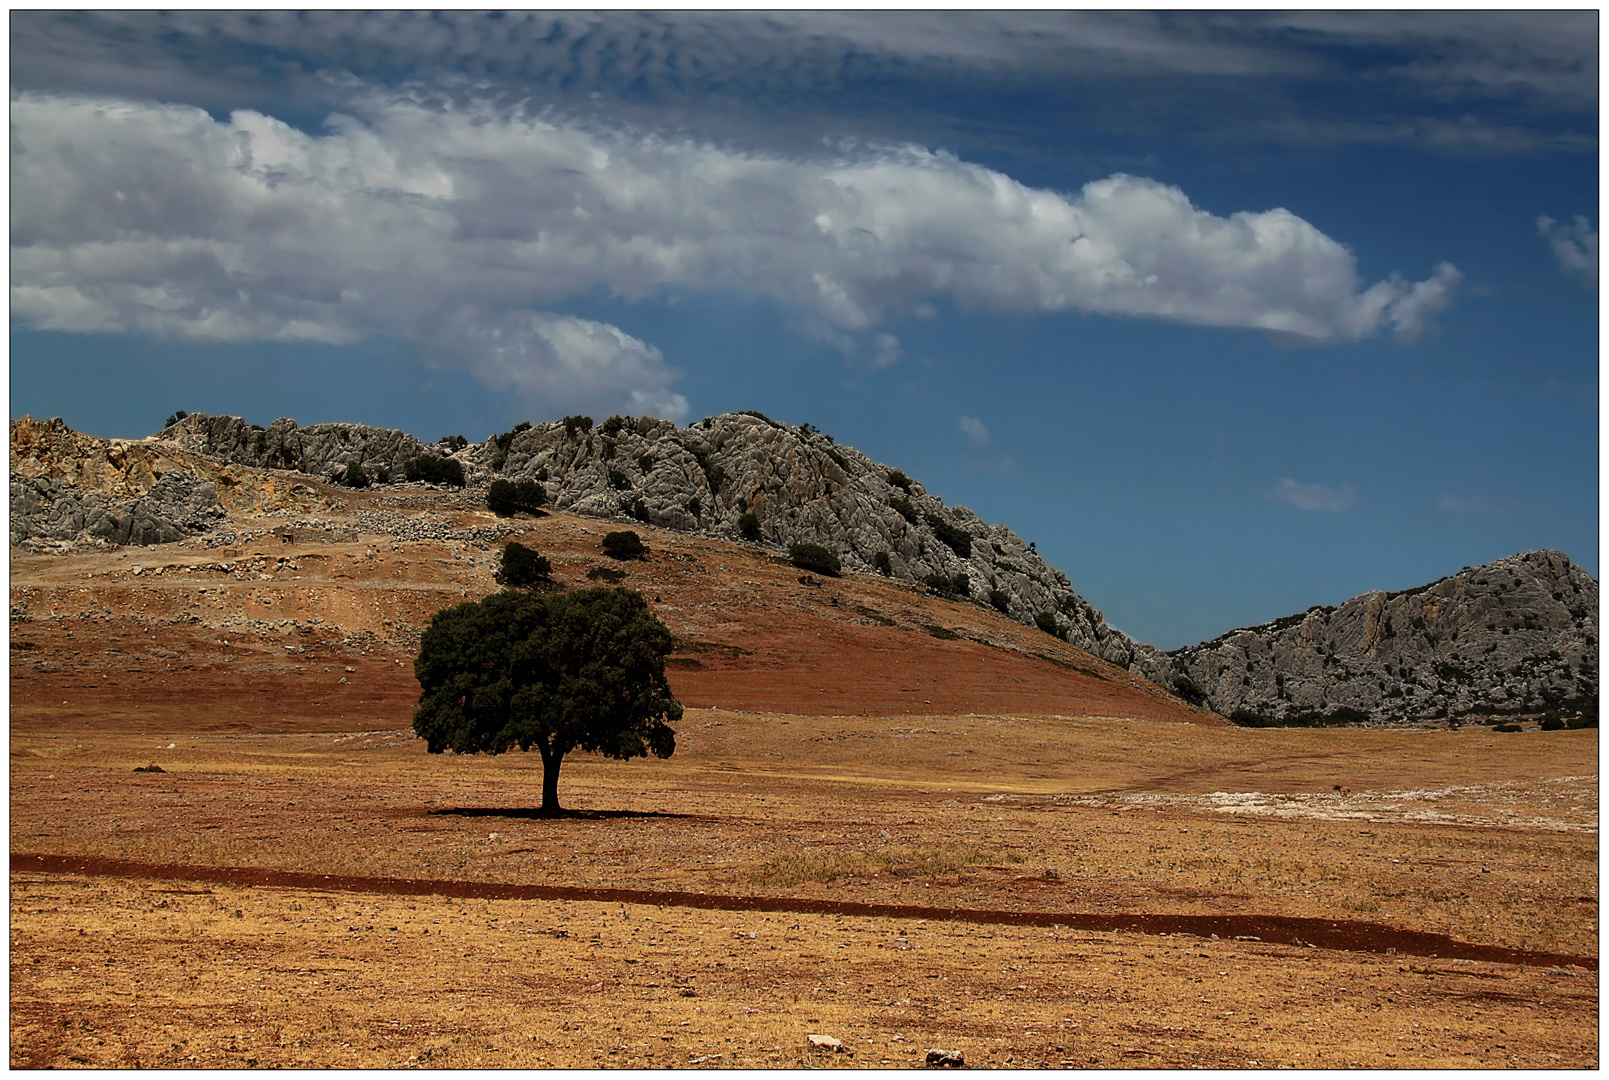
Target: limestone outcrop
x=1515 y=636
x=321 y=450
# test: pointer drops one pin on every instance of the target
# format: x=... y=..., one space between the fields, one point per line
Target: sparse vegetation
x=1000 y=601
x=645 y=463
x=355 y=477
x=521 y=567
x=882 y=564
x=606 y=573
x=748 y=526
x=453 y=443
x=1050 y=624
x=434 y=470
x=613 y=426
x=619 y=480
x=624 y=545
x=946 y=585
x=897 y=478
x=639 y=510
x=174 y=418
x=906 y=510
x=814 y=557
x=1187 y=688
x=573 y=424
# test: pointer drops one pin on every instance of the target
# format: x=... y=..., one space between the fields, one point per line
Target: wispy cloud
x=1575 y=246
x=1315 y=496
x=465 y=227
x=976 y=433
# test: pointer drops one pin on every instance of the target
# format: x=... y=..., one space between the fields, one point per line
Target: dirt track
x=1347 y=936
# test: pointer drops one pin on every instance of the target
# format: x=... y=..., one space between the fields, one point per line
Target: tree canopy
x=558 y=672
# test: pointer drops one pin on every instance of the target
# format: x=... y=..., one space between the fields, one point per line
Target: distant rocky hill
x=1518 y=636
x=1515 y=636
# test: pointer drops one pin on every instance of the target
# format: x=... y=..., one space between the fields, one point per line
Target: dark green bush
x=748 y=526
x=1552 y=723
x=645 y=463
x=618 y=480
x=906 y=510
x=1186 y=688
x=1049 y=624
x=961 y=585
x=898 y=479
x=355 y=477
x=882 y=563
x=605 y=573
x=613 y=426
x=573 y=424
x=1507 y=727
x=521 y=567
x=453 y=442
x=945 y=585
x=639 y=510
x=434 y=470
x=814 y=557
x=504 y=498
x=178 y=415
x=955 y=539
x=624 y=545
x=1000 y=601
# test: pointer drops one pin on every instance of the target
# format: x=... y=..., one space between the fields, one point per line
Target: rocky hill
x=1515 y=637
x=1518 y=636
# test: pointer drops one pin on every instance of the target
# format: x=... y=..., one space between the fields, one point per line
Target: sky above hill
x=1231 y=314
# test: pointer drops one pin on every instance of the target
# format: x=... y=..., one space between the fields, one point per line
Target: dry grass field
x=836 y=751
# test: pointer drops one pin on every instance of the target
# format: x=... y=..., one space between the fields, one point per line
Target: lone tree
x=521 y=567
x=559 y=672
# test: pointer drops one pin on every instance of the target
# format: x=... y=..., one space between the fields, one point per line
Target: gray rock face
x=1519 y=635
x=46 y=512
x=801 y=487
x=321 y=450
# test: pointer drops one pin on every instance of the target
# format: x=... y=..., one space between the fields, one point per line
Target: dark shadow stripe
x=1343 y=935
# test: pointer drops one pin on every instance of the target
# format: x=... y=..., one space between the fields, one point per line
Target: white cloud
x=1314 y=496
x=887 y=352
x=1575 y=246
x=464 y=225
x=975 y=432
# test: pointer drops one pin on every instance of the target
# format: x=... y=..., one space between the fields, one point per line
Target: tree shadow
x=537 y=812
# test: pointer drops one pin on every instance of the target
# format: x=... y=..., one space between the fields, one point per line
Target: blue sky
x=1231 y=314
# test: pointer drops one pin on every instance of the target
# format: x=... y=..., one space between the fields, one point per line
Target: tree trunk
x=550 y=781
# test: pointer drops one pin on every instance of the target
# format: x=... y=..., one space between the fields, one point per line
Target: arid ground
x=902 y=822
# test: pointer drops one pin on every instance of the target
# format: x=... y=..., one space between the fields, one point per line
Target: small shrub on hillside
x=613 y=426
x=504 y=498
x=906 y=510
x=1507 y=727
x=624 y=545
x=453 y=442
x=955 y=539
x=882 y=563
x=639 y=510
x=618 y=480
x=999 y=601
x=521 y=567
x=1049 y=624
x=898 y=479
x=605 y=573
x=434 y=470
x=1186 y=688
x=645 y=463
x=178 y=415
x=748 y=526
x=355 y=477
x=814 y=557
x=573 y=424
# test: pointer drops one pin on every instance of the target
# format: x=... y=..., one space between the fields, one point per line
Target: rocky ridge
x=1518 y=636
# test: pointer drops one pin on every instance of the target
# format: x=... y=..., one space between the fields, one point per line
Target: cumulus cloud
x=1314 y=496
x=1575 y=246
x=976 y=433
x=465 y=227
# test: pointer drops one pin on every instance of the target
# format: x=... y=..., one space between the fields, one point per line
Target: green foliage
x=521 y=567
x=618 y=480
x=177 y=415
x=557 y=672
x=1000 y=601
x=453 y=442
x=259 y=442
x=945 y=585
x=504 y=498
x=748 y=527
x=1552 y=723
x=814 y=557
x=1050 y=624
x=758 y=416
x=1189 y=690
x=435 y=470
x=906 y=510
x=639 y=510
x=355 y=477
x=624 y=545
x=897 y=478
x=645 y=463
x=606 y=573
x=955 y=539
x=714 y=475
x=613 y=426
x=882 y=563
x=573 y=424
x=837 y=458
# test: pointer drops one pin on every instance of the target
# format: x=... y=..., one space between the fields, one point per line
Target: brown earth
x=863 y=833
